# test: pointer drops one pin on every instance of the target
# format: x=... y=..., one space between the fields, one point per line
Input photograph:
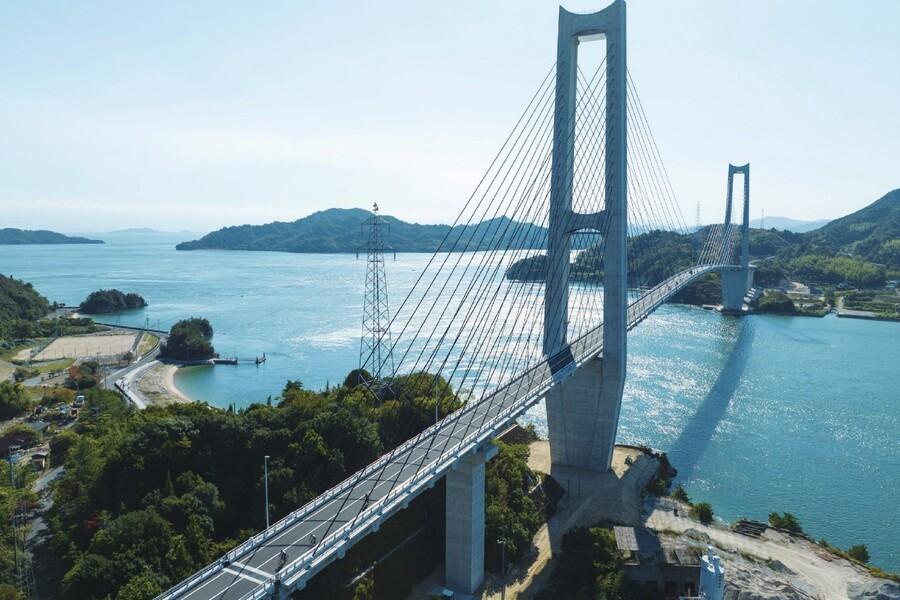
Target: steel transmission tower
x=375 y=353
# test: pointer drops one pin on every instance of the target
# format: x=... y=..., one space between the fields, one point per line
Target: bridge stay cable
x=465 y=329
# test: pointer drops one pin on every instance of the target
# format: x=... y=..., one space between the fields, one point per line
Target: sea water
x=758 y=414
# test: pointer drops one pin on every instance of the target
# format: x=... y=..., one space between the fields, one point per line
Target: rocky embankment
x=774 y=565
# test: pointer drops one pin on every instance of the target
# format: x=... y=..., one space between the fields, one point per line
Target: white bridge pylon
x=583 y=413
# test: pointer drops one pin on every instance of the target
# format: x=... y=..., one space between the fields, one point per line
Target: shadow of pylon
x=688 y=449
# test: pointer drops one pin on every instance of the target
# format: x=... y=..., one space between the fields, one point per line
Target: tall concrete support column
x=464 y=548
x=583 y=412
x=736 y=281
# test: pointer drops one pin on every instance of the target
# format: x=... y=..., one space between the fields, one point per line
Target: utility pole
x=266 y=470
x=375 y=349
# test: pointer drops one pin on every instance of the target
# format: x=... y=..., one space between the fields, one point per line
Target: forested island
x=189 y=340
x=14 y=236
x=107 y=301
x=339 y=230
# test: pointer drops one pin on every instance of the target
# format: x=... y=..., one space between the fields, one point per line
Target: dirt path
x=592 y=498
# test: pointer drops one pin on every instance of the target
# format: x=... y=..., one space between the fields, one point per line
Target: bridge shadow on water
x=686 y=452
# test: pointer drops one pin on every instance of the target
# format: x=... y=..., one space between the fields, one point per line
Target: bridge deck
x=393 y=480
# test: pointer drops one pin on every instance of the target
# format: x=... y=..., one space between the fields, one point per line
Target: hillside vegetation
x=189 y=339
x=149 y=497
x=20 y=301
x=340 y=230
x=13 y=236
x=861 y=249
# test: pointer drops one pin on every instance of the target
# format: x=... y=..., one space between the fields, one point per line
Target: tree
x=141 y=587
x=787 y=521
x=776 y=302
x=590 y=567
x=8 y=592
x=106 y=301
x=681 y=495
x=189 y=339
x=703 y=512
x=859 y=552
x=510 y=513
x=13 y=399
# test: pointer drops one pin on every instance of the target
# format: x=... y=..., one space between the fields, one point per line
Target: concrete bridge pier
x=464 y=546
x=582 y=419
x=735 y=284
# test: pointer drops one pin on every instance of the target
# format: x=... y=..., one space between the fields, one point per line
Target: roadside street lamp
x=266 y=470
x=502 y=542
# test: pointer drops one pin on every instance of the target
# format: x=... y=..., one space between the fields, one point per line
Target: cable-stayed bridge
x=518 y=321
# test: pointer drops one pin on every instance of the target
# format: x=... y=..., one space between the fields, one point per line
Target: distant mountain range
x=148 y=231
x=795 y=225
x=340 y=230
x=25 y=236
x=871 y=234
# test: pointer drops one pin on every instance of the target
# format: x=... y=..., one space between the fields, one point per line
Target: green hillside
x=861 y=249
x=20 y=301
x=13 y=236
x=340 y=230
x=872 y=234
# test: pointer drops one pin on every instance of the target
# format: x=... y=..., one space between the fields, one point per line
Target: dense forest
x=189 y=339
x=107 y=301
x=150 y=496
x=10 y=235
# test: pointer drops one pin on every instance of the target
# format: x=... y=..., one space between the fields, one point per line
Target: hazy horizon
x=194 y=117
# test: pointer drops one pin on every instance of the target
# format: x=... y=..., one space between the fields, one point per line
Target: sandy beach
x=158 y=385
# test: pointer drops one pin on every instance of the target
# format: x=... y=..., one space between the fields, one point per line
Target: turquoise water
x=758 y=414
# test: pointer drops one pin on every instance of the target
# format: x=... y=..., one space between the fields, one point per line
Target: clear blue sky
x=180 y=115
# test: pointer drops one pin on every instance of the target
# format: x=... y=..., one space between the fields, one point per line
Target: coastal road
x=127 y=380
x=316 y=533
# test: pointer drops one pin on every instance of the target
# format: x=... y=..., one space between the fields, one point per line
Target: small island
x=20 y=237
x=189 y=340
x=107 y=301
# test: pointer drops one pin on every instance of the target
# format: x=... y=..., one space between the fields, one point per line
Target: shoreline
x=158 y=386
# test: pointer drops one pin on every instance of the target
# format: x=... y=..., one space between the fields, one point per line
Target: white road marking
x=243 y=576
x=265 y=574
